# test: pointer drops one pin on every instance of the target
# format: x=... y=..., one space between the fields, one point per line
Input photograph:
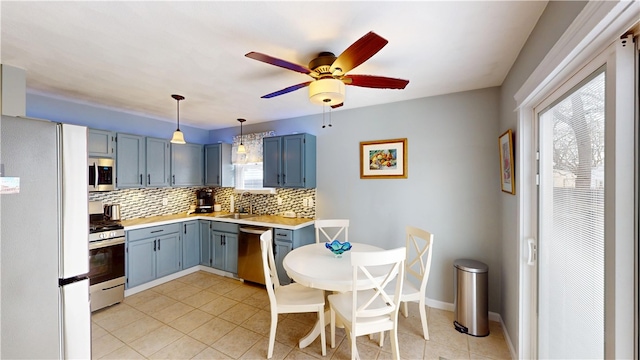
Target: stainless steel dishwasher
x=249 y=255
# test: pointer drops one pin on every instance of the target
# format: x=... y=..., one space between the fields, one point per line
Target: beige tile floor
x=205 y=316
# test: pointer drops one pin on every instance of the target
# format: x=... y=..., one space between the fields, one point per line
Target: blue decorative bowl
x=337 y=247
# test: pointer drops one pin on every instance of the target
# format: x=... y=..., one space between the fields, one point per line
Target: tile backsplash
x=139 y=203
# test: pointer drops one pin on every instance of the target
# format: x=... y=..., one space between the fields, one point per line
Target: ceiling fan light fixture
x=178 y=136
x=327 y=89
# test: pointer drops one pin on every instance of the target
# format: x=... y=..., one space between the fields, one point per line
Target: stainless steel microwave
x=102 y=174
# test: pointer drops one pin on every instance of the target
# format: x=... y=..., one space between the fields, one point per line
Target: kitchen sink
x=237 y=216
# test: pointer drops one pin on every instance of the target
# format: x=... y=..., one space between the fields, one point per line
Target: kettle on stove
x=112 y=211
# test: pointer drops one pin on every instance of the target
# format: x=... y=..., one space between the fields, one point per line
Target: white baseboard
x=162 y=280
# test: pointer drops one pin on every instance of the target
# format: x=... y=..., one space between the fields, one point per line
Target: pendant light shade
x=241 y=148
x=178 y=136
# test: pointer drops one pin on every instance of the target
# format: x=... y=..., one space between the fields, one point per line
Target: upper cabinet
x=187 y=165
x=130 y=161
x=142 y=161
x=218 y=167
x=289 y=161
x=158 y=162
x=101 y=143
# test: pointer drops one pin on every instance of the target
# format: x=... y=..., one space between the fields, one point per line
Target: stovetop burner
x=99 y=223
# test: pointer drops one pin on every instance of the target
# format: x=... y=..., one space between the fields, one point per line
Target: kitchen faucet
x=250 y=202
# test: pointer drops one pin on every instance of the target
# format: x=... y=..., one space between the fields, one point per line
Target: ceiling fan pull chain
x=329 y=116
x=323 y=116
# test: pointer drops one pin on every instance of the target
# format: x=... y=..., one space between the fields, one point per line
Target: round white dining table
x=315 y=266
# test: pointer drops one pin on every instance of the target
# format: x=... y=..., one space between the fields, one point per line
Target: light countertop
x=258 y=220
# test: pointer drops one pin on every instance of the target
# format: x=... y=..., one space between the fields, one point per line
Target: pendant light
x=241 y=148
x=178 y=136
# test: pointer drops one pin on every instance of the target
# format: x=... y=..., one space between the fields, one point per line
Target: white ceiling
x=131 y=56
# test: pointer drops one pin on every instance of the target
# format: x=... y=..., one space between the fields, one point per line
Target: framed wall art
x=507 y=175
x=383 y=159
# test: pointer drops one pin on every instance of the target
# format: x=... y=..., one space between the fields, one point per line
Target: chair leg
x=381 y=338
x=404 y=309
x=395 y=350
x=323 y=339
x=423 y=319
x=354 y=349
x=333 y=329
x=272 y=334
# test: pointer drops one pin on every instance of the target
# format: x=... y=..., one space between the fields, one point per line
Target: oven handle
x=105 y=243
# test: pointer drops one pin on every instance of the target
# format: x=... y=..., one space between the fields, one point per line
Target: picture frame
x=507 y=174
x=384 y=159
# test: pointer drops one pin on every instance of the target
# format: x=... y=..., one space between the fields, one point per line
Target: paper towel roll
x=232 y=204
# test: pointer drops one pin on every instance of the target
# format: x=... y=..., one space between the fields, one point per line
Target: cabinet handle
x=140 y=179
x=154 y=245
x=278 y=181
x=156 y=231
x=185 y=228
x=174 y=179
x=218 y=179
x=158 y=244
x=148 y=179
x=284 y=179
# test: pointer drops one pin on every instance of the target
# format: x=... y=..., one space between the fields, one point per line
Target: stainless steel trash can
x=471 y=298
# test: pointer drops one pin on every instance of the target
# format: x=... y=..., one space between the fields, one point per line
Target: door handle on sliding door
x=533 y=252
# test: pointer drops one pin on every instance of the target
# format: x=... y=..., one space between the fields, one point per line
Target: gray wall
x=453 y=186
x=554 y=21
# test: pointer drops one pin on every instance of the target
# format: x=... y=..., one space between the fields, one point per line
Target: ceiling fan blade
x=358 y=52
x=278 y=62
x=378 y=82
x=286 y=90
x=337 y=105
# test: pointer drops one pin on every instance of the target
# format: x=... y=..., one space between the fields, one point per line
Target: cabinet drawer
x=224 y=227
x=133 y=235
x=283 y=235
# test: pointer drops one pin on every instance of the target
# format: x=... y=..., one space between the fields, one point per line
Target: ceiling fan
x=330 y=72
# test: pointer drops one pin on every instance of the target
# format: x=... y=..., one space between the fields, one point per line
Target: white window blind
x=571 y=245
x=248 y=167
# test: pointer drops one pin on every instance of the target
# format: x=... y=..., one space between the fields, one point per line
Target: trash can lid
x=471 y=265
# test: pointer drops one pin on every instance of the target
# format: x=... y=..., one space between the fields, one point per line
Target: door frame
x=592 y=32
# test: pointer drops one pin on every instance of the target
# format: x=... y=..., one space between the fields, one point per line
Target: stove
x=101 y=228
x=106 y=261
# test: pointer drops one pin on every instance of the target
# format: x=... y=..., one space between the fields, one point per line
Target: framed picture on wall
x=383 y=159
x=507 y=175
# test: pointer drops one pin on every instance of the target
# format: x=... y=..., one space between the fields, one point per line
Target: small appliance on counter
x=112 y=211
x=204 y=200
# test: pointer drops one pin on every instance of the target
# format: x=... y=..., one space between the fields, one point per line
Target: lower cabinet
x=152 y=253
x=219 y=245
x=190 y=244
x=287 y=240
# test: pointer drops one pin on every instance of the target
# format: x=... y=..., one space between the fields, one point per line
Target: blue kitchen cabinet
x=286 y=240
x=218 y=168
x=190 y=244
x=101 y=143
x=219 y=245
x=187 y=165
x=130 y=161
x=158 y=162
x=289 y=161
x=153 y=252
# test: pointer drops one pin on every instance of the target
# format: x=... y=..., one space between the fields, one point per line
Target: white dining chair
x=417 y=267
x=374 y=310
x=328 y=230
x=287 y=299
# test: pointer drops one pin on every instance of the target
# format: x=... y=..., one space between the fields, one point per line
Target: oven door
x=106 y=260
x=102 y=174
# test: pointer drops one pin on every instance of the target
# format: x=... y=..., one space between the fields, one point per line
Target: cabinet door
x=217 y=239
x=280 y=250
x=213 y=170
x=271 y=166
x=190 y=244
x=141 y=262
x=231 y=253
x=157 y=165
x=293 y=155
x=205 y=243
x=187 y=165
x=100 y=143
x=130 y=161
x=168 y=254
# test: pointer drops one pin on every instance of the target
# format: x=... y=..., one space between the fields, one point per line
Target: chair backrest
x=271 y=280
x=328 y=230
x=377 y=301
x=419 y=246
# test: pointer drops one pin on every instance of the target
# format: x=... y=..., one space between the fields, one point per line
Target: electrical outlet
x=165 y=201
x=305 y=202
x=310 y=202
x=279 y=200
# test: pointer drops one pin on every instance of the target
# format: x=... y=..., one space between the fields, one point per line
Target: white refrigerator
x=44 y=249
